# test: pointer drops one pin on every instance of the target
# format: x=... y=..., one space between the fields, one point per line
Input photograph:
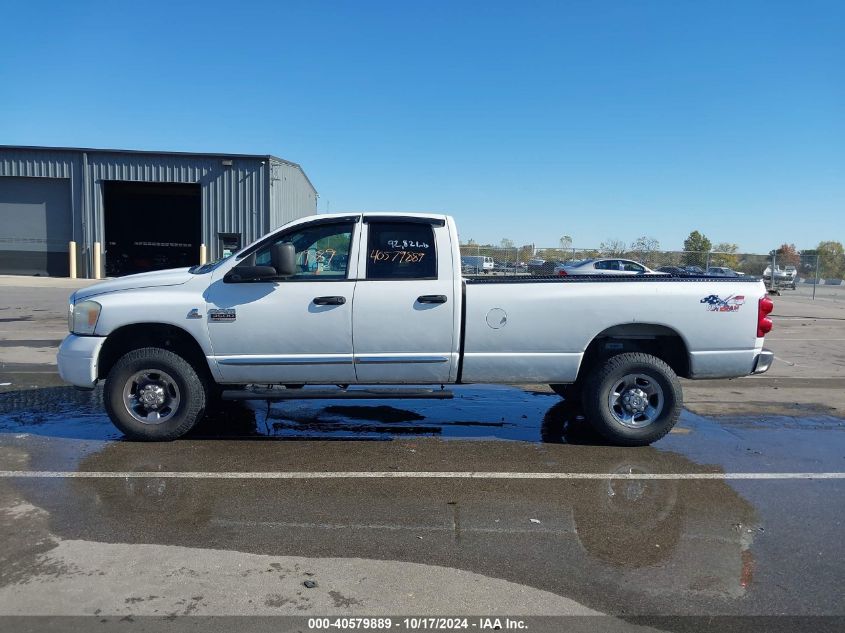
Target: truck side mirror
x=283 y=258
x=244 y=273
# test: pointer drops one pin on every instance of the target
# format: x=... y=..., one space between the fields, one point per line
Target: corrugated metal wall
x=250 y=197
x=37 y=164
x=291 y=194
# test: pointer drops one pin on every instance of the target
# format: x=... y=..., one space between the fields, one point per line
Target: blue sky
x=525 y=120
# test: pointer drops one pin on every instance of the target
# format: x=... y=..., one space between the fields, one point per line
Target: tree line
x=829 y=256
x=698 y=250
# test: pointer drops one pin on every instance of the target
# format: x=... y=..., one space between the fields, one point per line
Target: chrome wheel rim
x=636 y=400
x=151 y=396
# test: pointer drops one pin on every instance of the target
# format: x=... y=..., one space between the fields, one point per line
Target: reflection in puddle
x=626 y=540
x=631 y=539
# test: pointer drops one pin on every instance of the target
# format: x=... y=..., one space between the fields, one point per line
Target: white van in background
x=474 y=264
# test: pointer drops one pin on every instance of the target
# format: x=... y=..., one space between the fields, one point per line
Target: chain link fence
x=808 y=273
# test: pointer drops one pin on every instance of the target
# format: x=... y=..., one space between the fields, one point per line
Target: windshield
x=207 y=268
x=213 y=265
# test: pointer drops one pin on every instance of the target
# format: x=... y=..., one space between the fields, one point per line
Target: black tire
x=192 y=392
x=606 y=421
x=570 y=392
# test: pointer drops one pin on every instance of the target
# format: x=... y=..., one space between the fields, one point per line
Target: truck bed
x=526 y=279
x=536 y=329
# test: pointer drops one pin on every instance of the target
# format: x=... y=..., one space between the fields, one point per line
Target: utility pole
x=772 y=284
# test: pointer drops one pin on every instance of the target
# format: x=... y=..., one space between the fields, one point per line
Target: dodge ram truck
x=330 y=301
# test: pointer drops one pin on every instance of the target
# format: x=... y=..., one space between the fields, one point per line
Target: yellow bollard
x=97 y=260
x=71 y=253
x=203 y=254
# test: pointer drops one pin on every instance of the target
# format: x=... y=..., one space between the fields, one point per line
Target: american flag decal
x=731 y=303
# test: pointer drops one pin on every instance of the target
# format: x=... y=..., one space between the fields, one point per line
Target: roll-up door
x=35 y=225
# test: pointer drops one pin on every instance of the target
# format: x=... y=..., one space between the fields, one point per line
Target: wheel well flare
x=138 y=335
x=657 y=340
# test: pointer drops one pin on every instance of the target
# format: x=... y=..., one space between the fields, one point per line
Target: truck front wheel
x=152 y=394
x=632 y=399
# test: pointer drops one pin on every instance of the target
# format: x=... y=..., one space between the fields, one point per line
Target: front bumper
x=763 y=361
x=77 y=360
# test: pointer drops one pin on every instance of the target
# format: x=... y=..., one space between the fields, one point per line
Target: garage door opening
x=151 y=226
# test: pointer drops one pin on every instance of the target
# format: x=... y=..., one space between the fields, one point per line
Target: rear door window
x=632 y=267
x=401 y=250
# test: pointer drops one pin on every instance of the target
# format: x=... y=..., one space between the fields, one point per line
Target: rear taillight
x=764 y=323
x=561 y=273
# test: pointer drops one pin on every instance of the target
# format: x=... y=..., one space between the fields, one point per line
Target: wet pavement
x=625 y=547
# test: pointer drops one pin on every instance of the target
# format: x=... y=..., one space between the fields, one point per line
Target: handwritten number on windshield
x=401 y=257
x=403 y=244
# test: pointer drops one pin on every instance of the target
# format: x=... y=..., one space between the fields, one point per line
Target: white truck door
x=297 y=329
x=404 y=312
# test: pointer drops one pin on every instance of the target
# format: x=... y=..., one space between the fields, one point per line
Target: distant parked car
x=504 y=267
x=721 y=271
x=792 y=276
x=605 y=266
x=539 y=266
x=787 y=276
x=675 y=270
x=695 y=270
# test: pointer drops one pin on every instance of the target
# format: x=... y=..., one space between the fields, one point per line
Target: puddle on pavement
x=706 y=540
x=487 y=412
x=562 y=536
x=475 y=413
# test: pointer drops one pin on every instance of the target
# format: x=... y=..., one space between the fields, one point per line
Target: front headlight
x=83 y=317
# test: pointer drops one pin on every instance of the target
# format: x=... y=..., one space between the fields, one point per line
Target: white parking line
x=778 y=340
x=396 y=527
x=390 y=474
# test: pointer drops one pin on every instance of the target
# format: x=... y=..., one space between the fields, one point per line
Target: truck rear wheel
x=632 y=399
x=152 y=394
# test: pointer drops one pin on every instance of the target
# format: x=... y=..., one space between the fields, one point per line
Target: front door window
x=322 y=251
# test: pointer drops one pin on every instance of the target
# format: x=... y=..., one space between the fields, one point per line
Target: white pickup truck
x=378 y=299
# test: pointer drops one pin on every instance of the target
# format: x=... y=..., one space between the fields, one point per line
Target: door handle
x=432 y=299
x=329 y=301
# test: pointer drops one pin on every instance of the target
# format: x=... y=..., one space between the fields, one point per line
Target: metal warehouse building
x=142 y=210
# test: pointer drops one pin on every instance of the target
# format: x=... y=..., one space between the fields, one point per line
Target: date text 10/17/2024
x=416 y=624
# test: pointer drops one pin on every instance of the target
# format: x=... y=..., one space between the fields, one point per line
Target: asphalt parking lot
x=499 y=502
